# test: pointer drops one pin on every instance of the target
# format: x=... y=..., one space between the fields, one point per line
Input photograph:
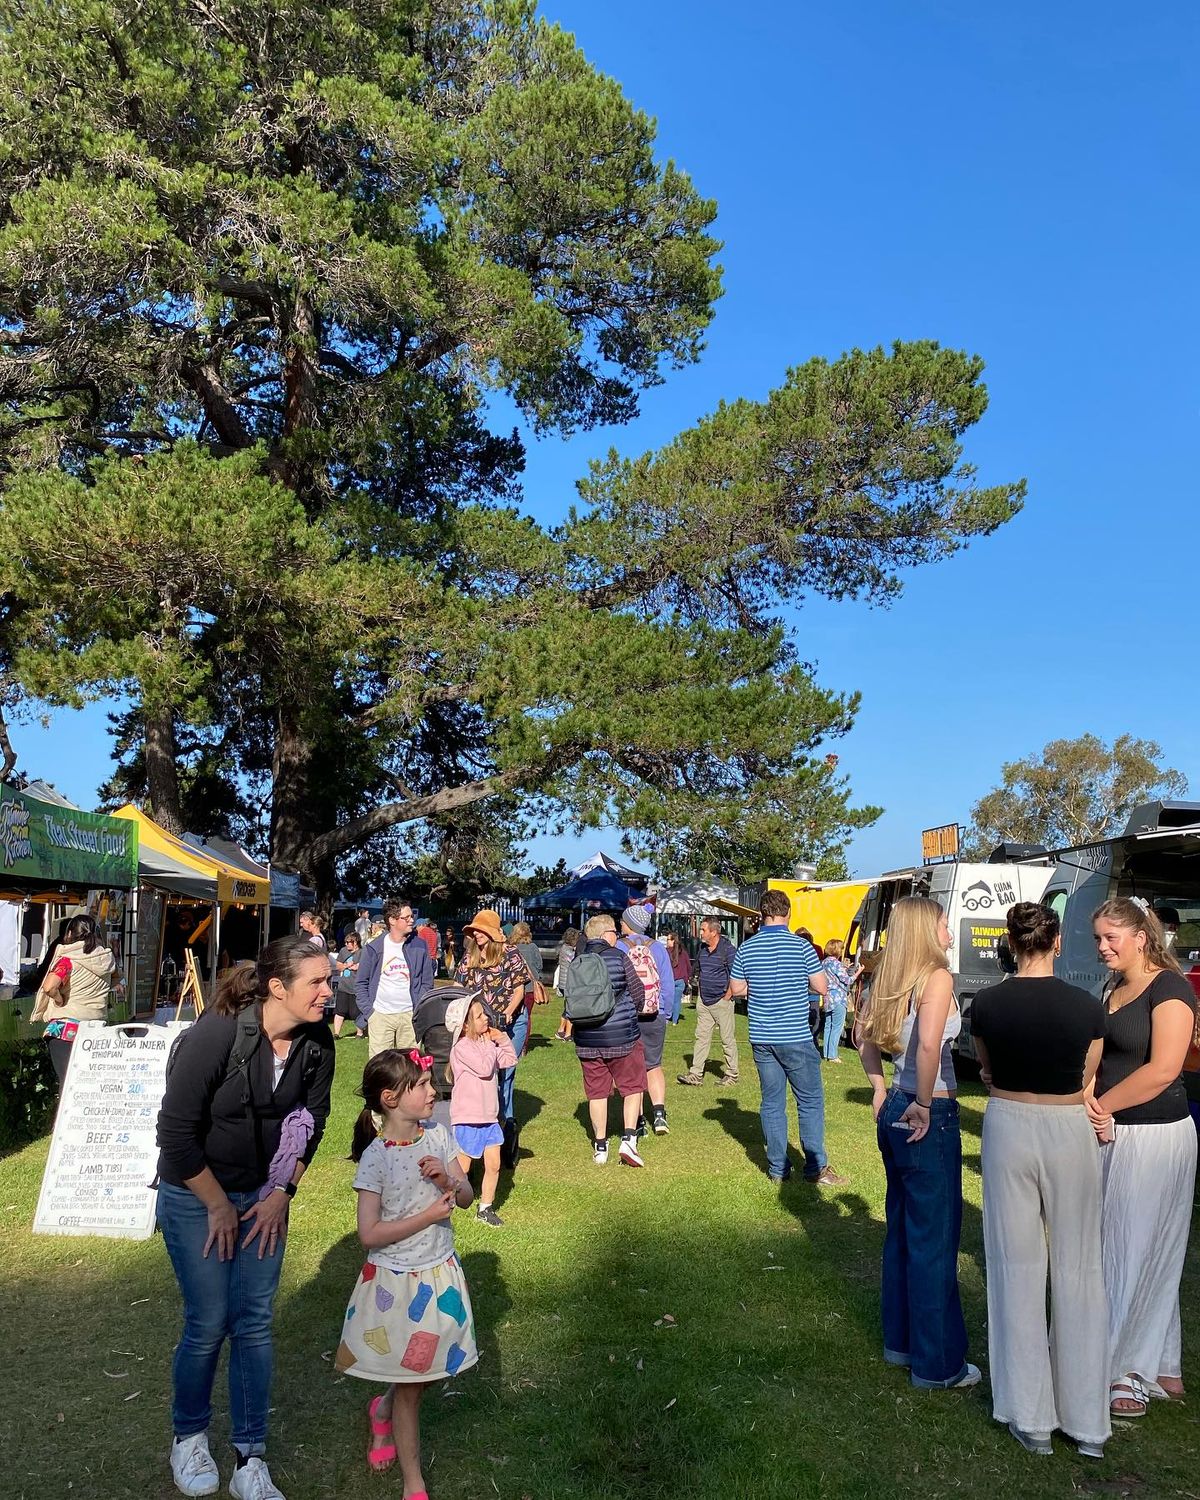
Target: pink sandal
x=380 y=1456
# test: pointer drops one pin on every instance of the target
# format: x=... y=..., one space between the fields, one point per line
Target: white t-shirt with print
x=394 y=994
x=394 y=1173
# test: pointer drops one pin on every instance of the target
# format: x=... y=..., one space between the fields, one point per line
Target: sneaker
x=727 y=1080
x=629 y=1152
x=691 y=1079
x=660 y=1123
x=1090 y=1450
x=192 y=1466
x=972 y=1375
x=252 y=1481
x=486 y=1214
x=600 y=1153
x=827 y=1177
x=1032 y=1442
x=641 y=1128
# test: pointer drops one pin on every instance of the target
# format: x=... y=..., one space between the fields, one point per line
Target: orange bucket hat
x=487 y=922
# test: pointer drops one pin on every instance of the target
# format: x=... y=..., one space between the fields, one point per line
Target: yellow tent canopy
x=233 y=882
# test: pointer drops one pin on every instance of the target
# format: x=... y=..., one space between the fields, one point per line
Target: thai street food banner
x=43 y=841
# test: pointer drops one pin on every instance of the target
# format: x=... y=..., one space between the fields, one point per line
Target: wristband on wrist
x=919 y=1105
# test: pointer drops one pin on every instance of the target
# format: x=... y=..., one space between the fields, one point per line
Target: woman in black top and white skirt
x=1039 y=1042
x=1140 y=1112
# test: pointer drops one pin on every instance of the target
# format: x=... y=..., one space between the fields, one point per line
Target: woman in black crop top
x=1149 y=1157
x=1039 y=1042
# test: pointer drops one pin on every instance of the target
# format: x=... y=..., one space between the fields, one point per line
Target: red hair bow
x=423 y=1062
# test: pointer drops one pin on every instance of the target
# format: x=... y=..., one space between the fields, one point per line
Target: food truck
x=822 y=908
x=975 y=897
x=1156 y=858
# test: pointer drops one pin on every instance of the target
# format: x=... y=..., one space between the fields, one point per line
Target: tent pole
x=131 y=955
x=215 y=950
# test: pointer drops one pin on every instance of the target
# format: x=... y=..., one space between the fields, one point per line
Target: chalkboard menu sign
x=103 y=1156
x=151 y=910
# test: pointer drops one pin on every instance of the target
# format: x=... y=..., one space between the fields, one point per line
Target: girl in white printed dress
x=409 y=1320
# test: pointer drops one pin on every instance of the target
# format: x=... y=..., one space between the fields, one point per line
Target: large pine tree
x=261 y=265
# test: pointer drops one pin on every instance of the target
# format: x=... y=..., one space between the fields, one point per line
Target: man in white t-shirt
x=394 y=975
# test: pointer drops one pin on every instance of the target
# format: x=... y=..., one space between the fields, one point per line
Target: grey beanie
x=637 y=918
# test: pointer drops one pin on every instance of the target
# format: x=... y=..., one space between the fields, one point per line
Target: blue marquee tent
x=599 y=890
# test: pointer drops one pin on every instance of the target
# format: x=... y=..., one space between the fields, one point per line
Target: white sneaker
x=600 y=1153
x=253 y=1482
x=972 y=1375
x=192 y=1466
x=629 y=1155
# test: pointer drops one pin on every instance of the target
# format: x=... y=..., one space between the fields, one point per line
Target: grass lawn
x=689 y=1330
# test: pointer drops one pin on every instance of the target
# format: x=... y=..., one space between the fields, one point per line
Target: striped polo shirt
x=776 y=963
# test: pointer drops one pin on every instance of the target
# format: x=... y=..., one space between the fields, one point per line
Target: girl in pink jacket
x=478 y=1053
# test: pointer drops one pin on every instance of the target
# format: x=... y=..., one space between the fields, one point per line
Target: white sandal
x=1128 y=1389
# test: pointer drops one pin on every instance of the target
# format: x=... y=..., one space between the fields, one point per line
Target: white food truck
x=975 y=898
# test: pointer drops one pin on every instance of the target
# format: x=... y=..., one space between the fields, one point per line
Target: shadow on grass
x=309 y=1401
x=741 y=1125
x=585 y=1389
x=615 y=1118
x=817 y=1208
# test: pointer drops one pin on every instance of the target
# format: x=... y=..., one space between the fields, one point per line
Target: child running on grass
x=409 y=1320
x=478 y=1051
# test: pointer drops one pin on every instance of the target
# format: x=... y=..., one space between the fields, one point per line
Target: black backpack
x=246 y=1039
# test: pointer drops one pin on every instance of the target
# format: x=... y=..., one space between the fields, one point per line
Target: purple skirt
x=471 y=1139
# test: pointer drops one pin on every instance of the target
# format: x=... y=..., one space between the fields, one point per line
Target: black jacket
x=204 y=1120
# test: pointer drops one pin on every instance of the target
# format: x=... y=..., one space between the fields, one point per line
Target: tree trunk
x=162 y=771
x=291 y=834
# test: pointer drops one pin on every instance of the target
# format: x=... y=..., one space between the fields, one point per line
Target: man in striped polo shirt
x=777 y=969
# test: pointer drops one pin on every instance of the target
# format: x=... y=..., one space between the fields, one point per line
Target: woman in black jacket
x=246 y=1102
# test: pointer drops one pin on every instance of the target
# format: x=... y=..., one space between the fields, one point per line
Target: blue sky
x=1015 y=180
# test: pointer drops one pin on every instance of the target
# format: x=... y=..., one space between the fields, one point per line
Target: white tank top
x=906 y=1073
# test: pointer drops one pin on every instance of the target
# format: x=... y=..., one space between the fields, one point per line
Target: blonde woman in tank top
x=913 y=1016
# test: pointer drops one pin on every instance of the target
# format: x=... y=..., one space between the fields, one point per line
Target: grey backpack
x=588 y=991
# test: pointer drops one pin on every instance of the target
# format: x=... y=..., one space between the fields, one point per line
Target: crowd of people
x=1089 y=1166
x=1089 y=1155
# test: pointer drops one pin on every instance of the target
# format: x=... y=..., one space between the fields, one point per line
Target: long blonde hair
x=486 y=955
x=913 y=953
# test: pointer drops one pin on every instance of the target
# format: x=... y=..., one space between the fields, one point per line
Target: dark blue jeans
x=796 y=1065
x=507 y=1077
x=230 y=1299
x=922 y=1315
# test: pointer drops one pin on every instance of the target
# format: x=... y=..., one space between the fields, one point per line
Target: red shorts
x=626 y=1074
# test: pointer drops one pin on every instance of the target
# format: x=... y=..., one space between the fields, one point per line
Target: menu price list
x=104 y=1153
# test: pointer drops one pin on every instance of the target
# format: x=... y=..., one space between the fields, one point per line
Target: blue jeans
x=835 y=1020
x=795 y=1064
x=922 y=1315
x=519 y=1034
x=231 y=1299
x=677 y=1009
